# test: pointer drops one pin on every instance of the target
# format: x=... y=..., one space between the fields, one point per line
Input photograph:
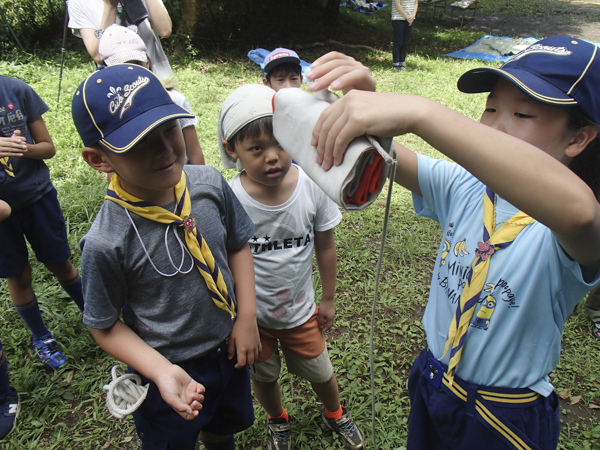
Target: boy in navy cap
x=282 y=69
x=168 y=250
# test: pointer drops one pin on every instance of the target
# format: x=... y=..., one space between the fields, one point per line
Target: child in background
x=282 y=69
x=168 y=265
x=403 y=16
x=521 y=235
x=291 y=215
x=36 y=215
x=121 y=45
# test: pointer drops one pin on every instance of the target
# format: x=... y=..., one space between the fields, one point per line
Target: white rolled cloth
x=354 y=184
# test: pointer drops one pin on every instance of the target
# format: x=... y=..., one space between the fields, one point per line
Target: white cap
x=244 y=105
x=119 y=44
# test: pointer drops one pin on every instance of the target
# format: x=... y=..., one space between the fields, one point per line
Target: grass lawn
x=66 y=409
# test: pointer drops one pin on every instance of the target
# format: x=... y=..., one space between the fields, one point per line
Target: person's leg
x=70 y=280
x=9 y=399
x=216 y=442
x=398 y=26
x=592 y=304
x=268 y=396
x=266 y=388
x=25 y=302
x=329 y=394
x=405 y=42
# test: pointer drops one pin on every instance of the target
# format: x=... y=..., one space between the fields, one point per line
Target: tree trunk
x=189 y=14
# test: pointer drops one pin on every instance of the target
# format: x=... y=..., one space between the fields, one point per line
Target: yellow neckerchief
x=492 y=241
x=197 y=246
x=7 y=166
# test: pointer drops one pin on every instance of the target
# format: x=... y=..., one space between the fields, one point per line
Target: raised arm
x=522 y=174
x=176 y=387
x=159 y=18
x=109 y=17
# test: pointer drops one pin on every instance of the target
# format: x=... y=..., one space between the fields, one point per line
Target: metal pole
x=11 y=31
x=62 y=49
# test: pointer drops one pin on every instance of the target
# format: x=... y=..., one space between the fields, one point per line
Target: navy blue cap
x=559 y=70
x=280 y=56
x=119 y=105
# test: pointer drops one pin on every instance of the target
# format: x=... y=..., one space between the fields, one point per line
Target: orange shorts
x=306 y=341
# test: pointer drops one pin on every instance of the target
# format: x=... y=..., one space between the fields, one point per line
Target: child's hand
x=13 y=146
x=341 y=73
x=245 y=341
x=359 y=113
x=181 y=392
x=326 y=314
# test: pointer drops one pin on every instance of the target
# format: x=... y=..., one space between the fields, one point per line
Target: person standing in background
x=403 y=16
x=89 y=18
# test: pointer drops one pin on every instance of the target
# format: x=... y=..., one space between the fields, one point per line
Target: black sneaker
x=351 y=435
x=279 y=434
x=9 y=409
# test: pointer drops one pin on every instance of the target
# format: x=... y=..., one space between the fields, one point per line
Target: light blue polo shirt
x=531 y=288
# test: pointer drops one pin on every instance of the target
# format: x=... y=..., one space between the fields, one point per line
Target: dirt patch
x=572 y=18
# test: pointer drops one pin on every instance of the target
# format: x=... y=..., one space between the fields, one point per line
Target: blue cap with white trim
x=559 y=70
x=118 y=106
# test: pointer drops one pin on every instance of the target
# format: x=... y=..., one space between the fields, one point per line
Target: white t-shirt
x=282 y=246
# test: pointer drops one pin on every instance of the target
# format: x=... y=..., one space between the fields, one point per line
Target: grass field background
x=66 y=410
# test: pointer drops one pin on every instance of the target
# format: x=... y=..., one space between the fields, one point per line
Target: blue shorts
x=227 y=406
x=43 y=224
x=464 y=416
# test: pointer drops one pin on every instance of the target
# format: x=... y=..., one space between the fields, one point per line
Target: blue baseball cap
x=559 y=70
x=280 y=56
x=118 y=106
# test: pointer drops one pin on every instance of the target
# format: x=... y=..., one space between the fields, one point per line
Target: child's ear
x=581 y=140
x=266 y=82
x=97 y=159
x=231 y=152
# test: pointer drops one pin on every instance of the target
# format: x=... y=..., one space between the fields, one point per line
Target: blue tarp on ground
x=364 y=11
x=493 y=48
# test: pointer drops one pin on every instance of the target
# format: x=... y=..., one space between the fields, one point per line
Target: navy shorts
x=465 y=416
x=43 y=224
x=227 y=406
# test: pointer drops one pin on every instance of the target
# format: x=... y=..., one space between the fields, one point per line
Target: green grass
x=65 y=409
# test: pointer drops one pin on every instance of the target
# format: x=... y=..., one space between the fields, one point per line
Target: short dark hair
x=253 y=130
x=283 y=70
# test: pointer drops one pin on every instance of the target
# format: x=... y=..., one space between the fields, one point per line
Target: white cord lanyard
x=377 y=276
x=182 y=247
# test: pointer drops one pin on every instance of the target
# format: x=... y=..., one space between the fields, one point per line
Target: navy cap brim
x=483 y=80
x=124 y=138
x=282 y=60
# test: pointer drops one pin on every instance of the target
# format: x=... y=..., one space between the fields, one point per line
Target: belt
x=481 y=402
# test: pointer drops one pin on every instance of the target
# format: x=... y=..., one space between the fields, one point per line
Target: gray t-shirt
x=175 y=315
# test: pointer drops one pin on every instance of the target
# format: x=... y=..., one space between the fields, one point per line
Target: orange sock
x=284 y=415
x=334 y=415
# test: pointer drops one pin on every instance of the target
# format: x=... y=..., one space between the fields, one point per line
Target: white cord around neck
x=182 y=246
